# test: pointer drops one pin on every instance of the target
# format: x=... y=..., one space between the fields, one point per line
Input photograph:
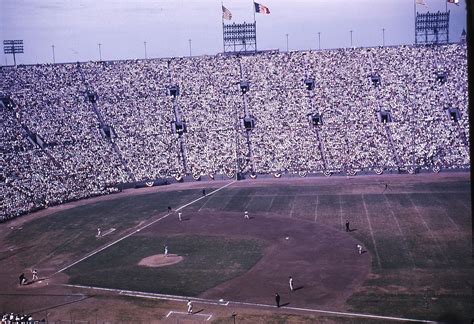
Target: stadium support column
x=114 y=145
x=182 y=146
x=375 y=78
x=92 y=99
x=248 y=120
x=316 y=128
x=247 y=133
x=237 y=142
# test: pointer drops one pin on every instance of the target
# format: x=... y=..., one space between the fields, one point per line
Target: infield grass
x=208 y=261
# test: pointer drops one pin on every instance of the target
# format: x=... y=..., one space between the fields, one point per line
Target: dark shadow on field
x=365 y=251
x=353 y=230
x=199 y=311
x=285 y=304
x=298 y=288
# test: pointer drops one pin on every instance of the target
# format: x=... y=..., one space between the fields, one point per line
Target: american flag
x=421 y=2
x=226 y=13
x=456 y=2
x=261 y=9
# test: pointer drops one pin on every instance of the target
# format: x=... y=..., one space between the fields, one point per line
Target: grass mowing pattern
x=72 y=232
x=208 y=261
x=422 y=231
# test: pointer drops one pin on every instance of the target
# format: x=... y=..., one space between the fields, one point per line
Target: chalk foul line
x=137 y=230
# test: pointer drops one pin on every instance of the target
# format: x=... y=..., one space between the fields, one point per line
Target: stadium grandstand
x=77 y=130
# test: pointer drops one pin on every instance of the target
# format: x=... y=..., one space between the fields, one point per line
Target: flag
x=421 y=2
x=456 y=2
x=226 y=14
x=261 y=9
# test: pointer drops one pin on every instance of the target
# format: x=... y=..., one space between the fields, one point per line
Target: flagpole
x=253 y=9
x=254 y=24
x=414 y=18
x=222 y=19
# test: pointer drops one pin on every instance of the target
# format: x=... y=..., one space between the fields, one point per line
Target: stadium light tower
x=190 y=53
x=351 y=37
x=383 y=36
x=319 y=40
x=144 y=43
x=287 y=42
x=13 y=47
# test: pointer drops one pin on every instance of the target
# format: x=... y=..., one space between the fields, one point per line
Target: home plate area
x=198 y=315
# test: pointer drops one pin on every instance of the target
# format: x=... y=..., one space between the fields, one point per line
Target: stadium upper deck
x=60 y=142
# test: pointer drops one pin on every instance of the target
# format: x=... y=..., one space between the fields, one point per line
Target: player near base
x=190 y=307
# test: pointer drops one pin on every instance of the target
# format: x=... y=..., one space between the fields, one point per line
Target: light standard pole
x=287 y=48
x=54 y=58
x=319 y=40
x=100 y=52
x=144 y=43
x=190 y=53
x=383 y=36
x=351 y=38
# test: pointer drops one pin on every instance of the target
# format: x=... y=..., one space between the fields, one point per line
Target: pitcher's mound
x=160 y=260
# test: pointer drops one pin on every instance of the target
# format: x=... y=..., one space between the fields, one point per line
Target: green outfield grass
x=419 y=236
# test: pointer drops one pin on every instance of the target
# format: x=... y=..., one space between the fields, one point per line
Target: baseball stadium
x=306 y=186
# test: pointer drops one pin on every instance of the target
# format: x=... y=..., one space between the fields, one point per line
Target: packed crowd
x=211 y=104
x=352 y=137
x=12 y=318
x=133 y=99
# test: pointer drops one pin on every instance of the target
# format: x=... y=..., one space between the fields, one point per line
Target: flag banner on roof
x=259 y=8
x=226 y=14
x=456 y=2
x=421 y=2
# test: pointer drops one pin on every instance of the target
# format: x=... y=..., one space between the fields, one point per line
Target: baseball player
x=166 y=250
x=277 y=299
x=179 y=216
x=98 y=232
x=190 y=307
x=291 y=283
x=246 y=215
x=35 y=274
x=359 y=247
x=23 y=280
x=347 y=226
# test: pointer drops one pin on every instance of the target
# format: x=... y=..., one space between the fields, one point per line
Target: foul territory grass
x=208 y=261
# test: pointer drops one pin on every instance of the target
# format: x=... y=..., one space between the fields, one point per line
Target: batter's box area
x=196 y=316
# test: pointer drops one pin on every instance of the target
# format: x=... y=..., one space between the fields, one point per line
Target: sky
x=76 y=27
